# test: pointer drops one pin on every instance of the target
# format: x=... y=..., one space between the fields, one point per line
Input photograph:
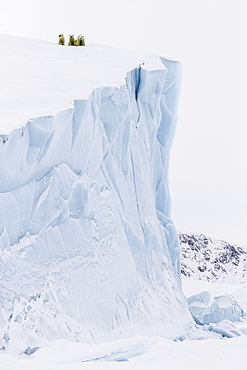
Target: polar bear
x=71 y=40
x=61 y=39
x=80 y=40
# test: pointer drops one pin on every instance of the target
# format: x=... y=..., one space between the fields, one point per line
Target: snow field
x=135 y=353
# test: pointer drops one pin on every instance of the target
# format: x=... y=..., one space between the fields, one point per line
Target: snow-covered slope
x=88 y=250
x=210 y=259
x=39 y=78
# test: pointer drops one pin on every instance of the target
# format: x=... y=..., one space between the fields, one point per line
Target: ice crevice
x=86 y=224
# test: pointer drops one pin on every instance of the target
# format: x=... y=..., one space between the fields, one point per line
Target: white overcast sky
x=208 y=172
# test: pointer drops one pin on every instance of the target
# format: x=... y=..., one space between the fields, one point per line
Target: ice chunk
x=227 y=329
x=207 y=309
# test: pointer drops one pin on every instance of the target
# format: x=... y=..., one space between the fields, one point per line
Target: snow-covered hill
x=210 y=259
x=87 y=248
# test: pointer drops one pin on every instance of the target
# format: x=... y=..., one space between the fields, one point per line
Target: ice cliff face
x=87 y=248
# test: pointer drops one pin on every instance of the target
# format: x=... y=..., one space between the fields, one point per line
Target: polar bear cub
x=61 y=39
x=71 y=40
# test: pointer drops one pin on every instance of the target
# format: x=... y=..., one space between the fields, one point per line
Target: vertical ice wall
x=88 y=250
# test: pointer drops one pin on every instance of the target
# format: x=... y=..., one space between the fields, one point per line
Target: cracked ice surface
x=88 y=250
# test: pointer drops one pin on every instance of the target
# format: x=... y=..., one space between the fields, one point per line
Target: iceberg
x=88 y=251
